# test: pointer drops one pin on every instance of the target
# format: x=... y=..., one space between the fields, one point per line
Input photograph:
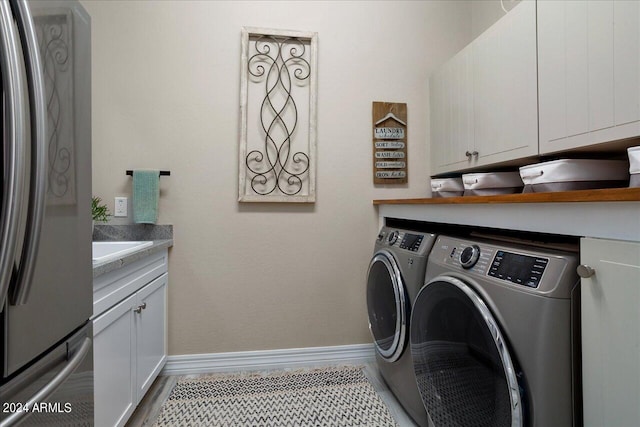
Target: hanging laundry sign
x=389 y=142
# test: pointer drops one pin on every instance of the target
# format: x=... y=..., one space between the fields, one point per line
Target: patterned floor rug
x=331 y=396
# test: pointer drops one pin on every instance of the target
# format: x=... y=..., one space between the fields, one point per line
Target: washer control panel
x=411 y=242
x=518 y=268
x=401 y=239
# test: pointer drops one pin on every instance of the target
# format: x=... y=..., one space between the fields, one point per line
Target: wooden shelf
x=603 y=195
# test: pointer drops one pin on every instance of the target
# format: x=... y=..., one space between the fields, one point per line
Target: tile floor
x=149 y=408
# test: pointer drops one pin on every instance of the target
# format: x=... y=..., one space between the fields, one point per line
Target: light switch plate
x=120 y=207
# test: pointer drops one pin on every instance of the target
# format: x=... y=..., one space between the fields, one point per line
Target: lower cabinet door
x=611 y=333
x=113 y=359
x=151 y=333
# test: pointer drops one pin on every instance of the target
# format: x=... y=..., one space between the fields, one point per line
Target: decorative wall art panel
x=278 y=116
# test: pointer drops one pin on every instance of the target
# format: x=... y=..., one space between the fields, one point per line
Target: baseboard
x=186 y=364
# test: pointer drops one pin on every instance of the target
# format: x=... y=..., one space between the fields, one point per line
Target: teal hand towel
x=146 y=192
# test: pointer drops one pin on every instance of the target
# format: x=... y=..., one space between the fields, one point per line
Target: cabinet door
x=452 y=113
x=484 y=100
x=113 y=359
x=437 y=118
x=562 y=71
x=611 y=333
x=151 y=333
x=589 y=77
x=626 y=56
x=505 y=88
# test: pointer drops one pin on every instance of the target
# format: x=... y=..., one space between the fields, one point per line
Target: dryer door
x=464 y=372
x=387 y=306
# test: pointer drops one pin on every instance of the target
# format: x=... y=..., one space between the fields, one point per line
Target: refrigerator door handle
x=38 y=177
x=14 y=147
x=52 y=385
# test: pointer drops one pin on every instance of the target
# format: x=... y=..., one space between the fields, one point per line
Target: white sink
x=103 y=251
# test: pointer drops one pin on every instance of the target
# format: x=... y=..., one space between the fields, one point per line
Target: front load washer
x=395 y=275
x=495 y=335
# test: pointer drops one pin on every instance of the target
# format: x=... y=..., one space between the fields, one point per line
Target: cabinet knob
x=468 y=154
x=585 y=271
x=474 y=154
x=140 y=308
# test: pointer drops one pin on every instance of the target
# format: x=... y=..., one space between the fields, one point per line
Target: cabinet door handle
x=474 y=154
x=468 y=154
x=585 y=271
x=140 y=308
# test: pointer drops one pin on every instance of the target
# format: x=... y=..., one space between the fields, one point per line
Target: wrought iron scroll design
x=54 y=35
x=278 y=63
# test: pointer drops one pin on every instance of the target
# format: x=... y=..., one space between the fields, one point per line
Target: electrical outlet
x=120 y=206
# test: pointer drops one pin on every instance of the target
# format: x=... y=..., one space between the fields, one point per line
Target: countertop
x=104 y=267
x=160 y=235
x=607 y=214
x=602 y=195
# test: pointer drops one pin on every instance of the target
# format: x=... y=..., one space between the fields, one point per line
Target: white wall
x=166 y=95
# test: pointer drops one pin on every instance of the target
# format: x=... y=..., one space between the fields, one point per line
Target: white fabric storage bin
x=574 y=174
x=492 y=183
x=446 y=187
x=634 y=166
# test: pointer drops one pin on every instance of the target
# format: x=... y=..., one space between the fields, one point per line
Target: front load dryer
x=495 y=335
x=395 y=275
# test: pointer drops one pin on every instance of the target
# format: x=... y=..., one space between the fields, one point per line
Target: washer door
x=464 y=372
x=387 y=306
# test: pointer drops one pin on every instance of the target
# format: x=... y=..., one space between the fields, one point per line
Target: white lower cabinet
x=151 y=332
x=130 y=339
x=611 y=333
x=114 y=364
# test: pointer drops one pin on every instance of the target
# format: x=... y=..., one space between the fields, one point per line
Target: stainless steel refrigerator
x=45 y=214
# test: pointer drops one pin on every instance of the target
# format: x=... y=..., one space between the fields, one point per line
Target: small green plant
x=99 y=211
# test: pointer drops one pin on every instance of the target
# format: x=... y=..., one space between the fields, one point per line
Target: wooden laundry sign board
x=389 y=143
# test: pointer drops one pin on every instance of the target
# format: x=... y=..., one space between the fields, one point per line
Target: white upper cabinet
x=452 y=113
x=484 y=100
x=588 y=72
x=505 y=88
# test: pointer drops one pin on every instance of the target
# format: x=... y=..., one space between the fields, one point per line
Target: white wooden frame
x=246 y=191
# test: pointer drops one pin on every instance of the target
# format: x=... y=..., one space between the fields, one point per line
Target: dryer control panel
x=518 y=268
x=538 y=270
